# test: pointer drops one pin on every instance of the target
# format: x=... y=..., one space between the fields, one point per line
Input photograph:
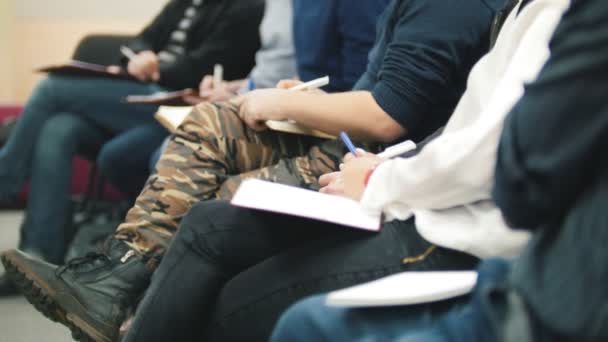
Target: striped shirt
x=176 y=47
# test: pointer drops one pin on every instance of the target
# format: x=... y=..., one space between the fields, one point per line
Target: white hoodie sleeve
x=455 y=168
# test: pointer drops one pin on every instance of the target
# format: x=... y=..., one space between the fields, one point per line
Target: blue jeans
x=128 y=159
x=471 y=318
x=63 y=116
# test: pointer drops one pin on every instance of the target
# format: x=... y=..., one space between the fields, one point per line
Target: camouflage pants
x=207 y=158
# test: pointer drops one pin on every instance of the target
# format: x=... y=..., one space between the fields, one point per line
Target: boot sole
x=42 y=297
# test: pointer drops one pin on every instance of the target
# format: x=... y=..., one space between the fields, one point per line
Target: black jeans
x=230 y=272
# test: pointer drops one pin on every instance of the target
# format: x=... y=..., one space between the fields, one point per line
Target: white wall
x=6 y=59
x=95 y=9
x=35 y=33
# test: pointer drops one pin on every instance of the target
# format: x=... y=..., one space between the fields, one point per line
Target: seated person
x=275 y=60
x=549 y=181
x=66 y=114
x=349 y=29
x=217 y=241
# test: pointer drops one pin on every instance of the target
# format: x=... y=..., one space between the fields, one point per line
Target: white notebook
x=406 y=289
x=268 y=196
x=172 y=116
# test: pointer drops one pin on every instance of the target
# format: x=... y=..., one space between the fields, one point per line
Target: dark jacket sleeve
x=434 y=42
x=232 y=42
x=147 y=39
x=357 y=31
x=554 y=139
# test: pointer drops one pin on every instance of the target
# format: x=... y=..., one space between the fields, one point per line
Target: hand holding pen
x=144 y=65
x=357 y=169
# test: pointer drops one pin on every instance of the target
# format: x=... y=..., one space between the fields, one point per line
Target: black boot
x=90 y=295
x=6 y=287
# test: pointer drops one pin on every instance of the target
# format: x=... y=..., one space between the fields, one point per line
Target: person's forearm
x=354 y=112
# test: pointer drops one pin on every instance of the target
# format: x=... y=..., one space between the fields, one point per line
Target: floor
x=19 y=321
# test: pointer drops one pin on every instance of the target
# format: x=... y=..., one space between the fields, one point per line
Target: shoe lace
x=89 y=259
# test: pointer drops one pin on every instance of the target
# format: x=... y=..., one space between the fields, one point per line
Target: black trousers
x=230 y=272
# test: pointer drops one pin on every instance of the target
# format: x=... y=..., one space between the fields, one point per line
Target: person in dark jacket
x=66 y=114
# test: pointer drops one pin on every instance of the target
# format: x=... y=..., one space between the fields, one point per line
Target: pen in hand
x=348 y=143
x=127 y=52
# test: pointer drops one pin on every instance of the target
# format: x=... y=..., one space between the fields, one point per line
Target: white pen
x=314 y=84
x=127 y=52
x=218 y=75
x=397 y=150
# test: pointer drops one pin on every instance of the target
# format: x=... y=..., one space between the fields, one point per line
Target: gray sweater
x=276 y=58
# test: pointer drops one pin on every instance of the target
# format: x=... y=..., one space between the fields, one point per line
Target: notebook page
x=405 y=289
x=268 y=196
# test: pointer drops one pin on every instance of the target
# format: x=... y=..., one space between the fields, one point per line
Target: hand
x=145 y=66
x=354 y=171
x=259 y=106
x=221 y=92
x=331 y=183
x=287 y=84
x=114 y=69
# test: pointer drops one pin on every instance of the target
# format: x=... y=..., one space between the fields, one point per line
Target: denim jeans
x=230 y=272
x=126 y=159
x=63 y=116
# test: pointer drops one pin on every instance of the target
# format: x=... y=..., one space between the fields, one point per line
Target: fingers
x=206 y=86
x=334 y=188
x=144 y=66
x=113 y=69
x=327 y=178
x=286 y=84
x=349 y=156
x=192 y=99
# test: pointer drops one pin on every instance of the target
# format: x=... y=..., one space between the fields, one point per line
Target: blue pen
x=251 y=85
x=348 y=143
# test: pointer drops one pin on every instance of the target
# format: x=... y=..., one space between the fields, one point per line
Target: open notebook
x=172 y=116
x=79 y=68
x=268 y=196
x=168 y=98
x=406 y=289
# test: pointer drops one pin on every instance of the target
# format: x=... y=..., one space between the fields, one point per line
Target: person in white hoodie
x=548 y=180
x=446 y=187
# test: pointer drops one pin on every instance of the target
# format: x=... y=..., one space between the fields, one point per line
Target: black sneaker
x=90 y=295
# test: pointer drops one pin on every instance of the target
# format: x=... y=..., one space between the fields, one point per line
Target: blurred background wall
x=35 y=33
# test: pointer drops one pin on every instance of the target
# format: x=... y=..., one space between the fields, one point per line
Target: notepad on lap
x=79 y=68
x=406 y=288
x=171 y=117
x=268 y=196
x=168 y=98
x=294 y=128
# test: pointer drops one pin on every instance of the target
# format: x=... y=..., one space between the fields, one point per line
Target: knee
x=304 y=321
x=110 y=159
x=50 y=86
x=59 y=135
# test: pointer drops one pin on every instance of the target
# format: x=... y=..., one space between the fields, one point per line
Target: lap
x=312 y=320
x=340 y=257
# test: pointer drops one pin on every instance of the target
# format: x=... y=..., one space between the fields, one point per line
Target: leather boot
x=90 y=295
x=6 y=287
